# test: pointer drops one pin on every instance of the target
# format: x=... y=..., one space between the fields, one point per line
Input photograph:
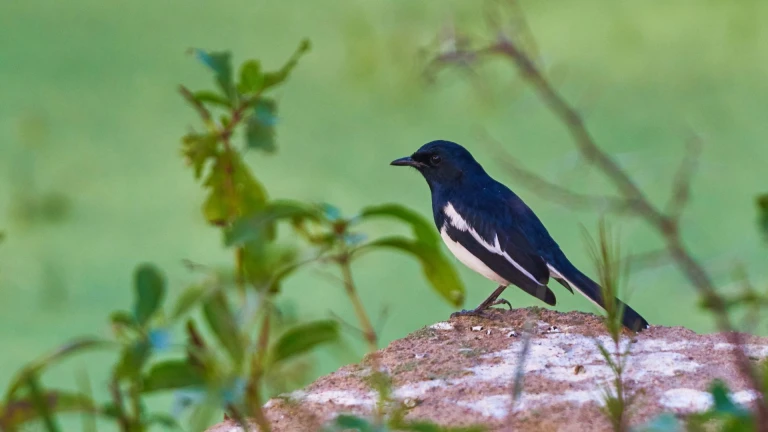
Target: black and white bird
x=493 y=232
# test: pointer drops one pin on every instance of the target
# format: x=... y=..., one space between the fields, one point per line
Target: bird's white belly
x=470 y=260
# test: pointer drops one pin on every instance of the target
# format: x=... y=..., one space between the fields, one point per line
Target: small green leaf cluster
x=396 y=423
x=225 y=342
x=724 y=415
x=612 y=270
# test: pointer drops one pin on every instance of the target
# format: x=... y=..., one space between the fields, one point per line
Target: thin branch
x=665 y=224
x=575 y=125
x=202 y=111
x=554 y=191
x=362 y=315
x=117 y=400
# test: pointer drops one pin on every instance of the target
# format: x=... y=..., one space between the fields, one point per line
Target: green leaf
x=66 y=350
x=606 y=355
x=251 y=77
x=41 y=403
x=331 y=212
x=212 y=98
x=122 y=319
x=221 y=64
x=251 y=227
x=267 y=264
x=23 y=410
x=723 y=402
x=436 y=267
x=423 y=230
x=224 y=325
x=164 y=420
x=428 y=426
x=172 y=375
x=197 y=149
x=302 y=338
x=187 y=300
x=273 y=79
x=762 y=208
x=665 y=422
x=233 y=191
x=197 y=351
x=346 y=421
x=150 y=290
x=260 y=126
x=132 y=359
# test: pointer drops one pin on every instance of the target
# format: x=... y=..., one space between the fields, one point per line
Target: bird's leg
x=492 y=300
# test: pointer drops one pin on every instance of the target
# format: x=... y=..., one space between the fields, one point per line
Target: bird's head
x=442 y=162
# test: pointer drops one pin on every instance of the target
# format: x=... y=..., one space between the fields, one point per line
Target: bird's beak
x=406 y=161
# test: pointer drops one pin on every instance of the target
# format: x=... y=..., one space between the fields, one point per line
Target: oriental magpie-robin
x=493 y=232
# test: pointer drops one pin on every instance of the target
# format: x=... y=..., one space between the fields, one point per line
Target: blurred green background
x=92 y=183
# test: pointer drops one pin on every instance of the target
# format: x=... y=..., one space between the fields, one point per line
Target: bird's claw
x=469 y=312
x=501 y=301
x=481 y=312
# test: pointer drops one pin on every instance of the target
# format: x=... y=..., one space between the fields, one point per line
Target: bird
x=492 y=231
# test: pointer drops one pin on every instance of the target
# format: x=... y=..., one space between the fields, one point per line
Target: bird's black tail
x=592 y=291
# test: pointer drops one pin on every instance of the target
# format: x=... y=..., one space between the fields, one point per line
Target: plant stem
x=379 y=378
x=362 y=316
x=136 y=400
x=117 y=398
x=240 y=272
x=257 y=371
x=40 y=402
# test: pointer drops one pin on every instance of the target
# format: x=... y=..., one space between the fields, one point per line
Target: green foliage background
x=91 y=181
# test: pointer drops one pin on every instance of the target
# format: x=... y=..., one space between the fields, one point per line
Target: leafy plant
x=397 y=423
x=237 y=344
x=725 y=415
x=612 y=273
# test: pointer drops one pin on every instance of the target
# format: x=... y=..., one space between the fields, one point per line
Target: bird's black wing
x=498 y=242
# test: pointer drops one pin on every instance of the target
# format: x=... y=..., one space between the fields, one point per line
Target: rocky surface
x=461 y=372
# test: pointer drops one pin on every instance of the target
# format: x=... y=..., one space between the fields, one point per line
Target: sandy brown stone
x=462 y=372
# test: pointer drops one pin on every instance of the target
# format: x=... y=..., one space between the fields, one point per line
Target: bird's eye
x=435 y=159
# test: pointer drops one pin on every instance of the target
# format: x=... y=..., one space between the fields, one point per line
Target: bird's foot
x=481 y=311
x=501 y=301
x=470 y=312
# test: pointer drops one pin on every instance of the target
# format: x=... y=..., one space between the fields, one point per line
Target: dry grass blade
x=681 y=189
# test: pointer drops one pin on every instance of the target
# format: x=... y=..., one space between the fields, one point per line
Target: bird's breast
x=469 y=260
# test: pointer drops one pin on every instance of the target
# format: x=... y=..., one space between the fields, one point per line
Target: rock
x=454 y=375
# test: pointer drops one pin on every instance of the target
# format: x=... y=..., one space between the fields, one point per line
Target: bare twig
x=202 y=111
x=666 y=224
x=554 y=191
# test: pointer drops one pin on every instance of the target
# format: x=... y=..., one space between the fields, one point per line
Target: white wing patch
x=458 y=222
x=470 y=260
